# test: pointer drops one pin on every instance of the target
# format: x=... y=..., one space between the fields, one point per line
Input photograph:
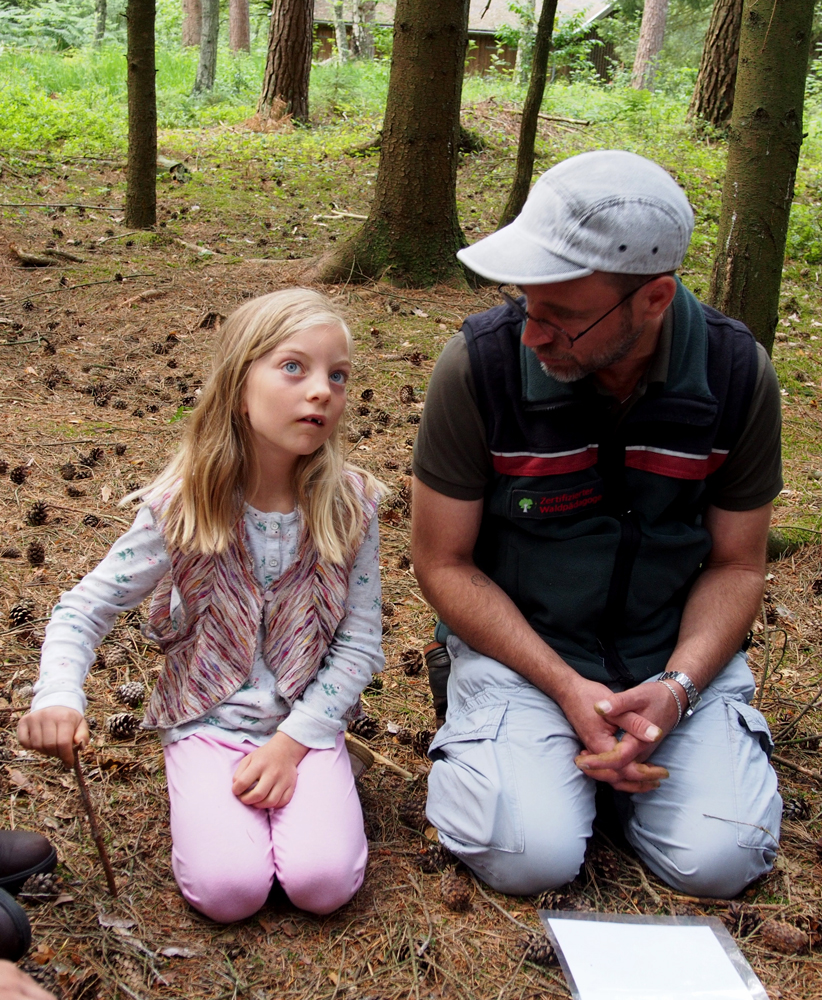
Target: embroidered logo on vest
x=527 y=503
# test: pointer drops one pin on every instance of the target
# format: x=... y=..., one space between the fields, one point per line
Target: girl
x=260 y=543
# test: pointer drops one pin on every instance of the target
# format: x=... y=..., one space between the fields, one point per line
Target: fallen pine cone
x=40 y=888
x=742 y=919
x=122 y=726
x=412 y=814
x=782 y=936
x=435 y=858
x=456 y=892
x=131 y=693
x=538 y=950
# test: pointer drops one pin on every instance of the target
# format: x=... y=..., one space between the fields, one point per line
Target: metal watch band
x=672 y=689
x=694 y=697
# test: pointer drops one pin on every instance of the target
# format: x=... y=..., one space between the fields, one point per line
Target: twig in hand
x=92 y=819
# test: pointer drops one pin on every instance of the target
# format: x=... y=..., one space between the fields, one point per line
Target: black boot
x=15 y=930
x=23 y=853
x=439 y=669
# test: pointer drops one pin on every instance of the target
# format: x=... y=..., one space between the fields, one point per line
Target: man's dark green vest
x=594 y=526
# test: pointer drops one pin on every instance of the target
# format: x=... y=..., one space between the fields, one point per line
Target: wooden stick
x=95 y=830
x=379 y=759
x=808 y=772
x=56 y=204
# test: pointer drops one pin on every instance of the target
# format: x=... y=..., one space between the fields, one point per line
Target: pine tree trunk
x=340 y=35
x=713 y=97
x=763 y=150
x=525 y=48
x=412 y=233
x=100 y=25
x=239 y=26
x=530 y=114
x=141 y=169
x=192 y=23
x=207 y=66
x=362 y=33
x=651 y=37
x=288 y=67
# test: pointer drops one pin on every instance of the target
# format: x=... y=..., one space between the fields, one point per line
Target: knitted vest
x=593 y=527
x=210 y=654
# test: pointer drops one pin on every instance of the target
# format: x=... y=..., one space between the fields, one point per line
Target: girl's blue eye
x=339 y=377
x=291 y=367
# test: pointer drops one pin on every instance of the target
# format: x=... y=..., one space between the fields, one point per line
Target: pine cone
x=411 y=662
x=413 y=418
x=116 y=656
x=412 y=813
x=131 y=693
x=559 y=899
x=83 y=473
x=742 y=919
x=435 y=858
x=407 y=394
x=122 y=726
x=129 y=971
x=404 y=737
x=97 y=454
x=363 y=410
x=797 y=808
x=782 y=936
x=538 y=950
x=604 y=863
x=456 y=891
x=40 y=888
x=10 y=552
x=138 y=412
x=365 y=727
x=21 y=614
x=75 y=491
x=38 y=513
x=367 y=395
x=36 y=554
x=68 y=471
x=422 y=741
x=382 y=418
x=4 y=466
x=91 y=520
x=120 y=404
x=160 y=348
x=119 y=449
x=18 y=475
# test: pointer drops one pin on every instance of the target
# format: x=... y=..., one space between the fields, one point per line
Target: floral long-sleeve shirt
x=134 y=566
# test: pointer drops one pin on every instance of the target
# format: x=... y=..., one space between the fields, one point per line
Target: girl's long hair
x=202 y=487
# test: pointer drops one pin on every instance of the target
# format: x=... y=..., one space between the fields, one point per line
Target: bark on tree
x=141 y=169
x=239 y=26
x=525 y=47
x=530 y=114
x=210 y=29
x=288 y=66
x=100 y=25
x=340 y=34
x=412 y=232
x=713 y=97
x=763 y=150
x=651 y=37
x=362 y=35
x=192 y=22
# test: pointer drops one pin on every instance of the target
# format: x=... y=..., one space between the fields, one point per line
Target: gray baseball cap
x=608 y=210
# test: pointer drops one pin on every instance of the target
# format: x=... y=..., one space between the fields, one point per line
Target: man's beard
x=573 y=370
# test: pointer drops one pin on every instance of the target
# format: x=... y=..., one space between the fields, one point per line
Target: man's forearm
x=483 y=616
x=717 y=616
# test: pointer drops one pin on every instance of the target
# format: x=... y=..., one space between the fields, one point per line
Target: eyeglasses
x=547 y=325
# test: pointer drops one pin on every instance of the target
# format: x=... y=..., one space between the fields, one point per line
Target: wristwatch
x=694 y=697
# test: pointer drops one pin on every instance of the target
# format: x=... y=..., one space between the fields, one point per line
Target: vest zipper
x=612 y=618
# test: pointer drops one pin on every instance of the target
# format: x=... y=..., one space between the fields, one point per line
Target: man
x=594 y=474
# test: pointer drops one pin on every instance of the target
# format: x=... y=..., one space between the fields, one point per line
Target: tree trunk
x=192 y=23
x=239 y=26
x=288 y=67
x=362 y=34
x=530 y=114
x=651 y=37
x=141 y=170
x=763 y=150
x=210 y=29
x=713 y=97
x=412 y=232
x=100 y=26
x=525 y=47
x=340 y=35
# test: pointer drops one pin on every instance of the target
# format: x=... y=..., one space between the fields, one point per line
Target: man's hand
x=16 y=985
x=54 y=731
x=596 y=714
x=267 y=777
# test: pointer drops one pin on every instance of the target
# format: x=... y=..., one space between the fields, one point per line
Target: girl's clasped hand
x=259 y=543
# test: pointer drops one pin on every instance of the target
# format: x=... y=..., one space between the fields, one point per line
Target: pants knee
x=222 y=897
x=321 y=890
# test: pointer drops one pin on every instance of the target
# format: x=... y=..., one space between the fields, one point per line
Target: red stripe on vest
x=545 y=465
x=675 y=466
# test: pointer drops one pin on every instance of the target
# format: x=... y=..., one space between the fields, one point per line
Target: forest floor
x=108 y=351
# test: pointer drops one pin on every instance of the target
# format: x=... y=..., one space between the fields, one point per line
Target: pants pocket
x=754 y=779
x=472 y=793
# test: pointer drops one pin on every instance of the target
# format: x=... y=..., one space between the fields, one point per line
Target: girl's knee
x=224 y=896
x=322 y=889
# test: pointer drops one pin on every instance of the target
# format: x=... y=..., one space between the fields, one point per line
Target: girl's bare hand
x=54 y=731
x=267 y=777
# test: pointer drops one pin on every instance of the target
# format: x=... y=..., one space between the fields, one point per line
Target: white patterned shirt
x=134 y=566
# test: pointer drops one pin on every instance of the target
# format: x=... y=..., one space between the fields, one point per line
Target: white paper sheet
x=624 y=960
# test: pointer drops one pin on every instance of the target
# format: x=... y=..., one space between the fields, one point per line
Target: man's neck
x=619 y=380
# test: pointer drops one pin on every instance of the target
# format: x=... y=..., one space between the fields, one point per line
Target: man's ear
x=656 y=296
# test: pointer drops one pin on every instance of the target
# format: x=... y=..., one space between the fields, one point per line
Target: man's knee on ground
x=536 y=869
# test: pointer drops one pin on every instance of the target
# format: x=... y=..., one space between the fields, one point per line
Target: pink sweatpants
x=226 y=854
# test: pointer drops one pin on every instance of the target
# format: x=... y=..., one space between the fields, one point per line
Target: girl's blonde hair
x=214 y=466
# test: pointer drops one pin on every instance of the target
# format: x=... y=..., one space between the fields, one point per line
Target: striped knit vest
x=211 y=652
